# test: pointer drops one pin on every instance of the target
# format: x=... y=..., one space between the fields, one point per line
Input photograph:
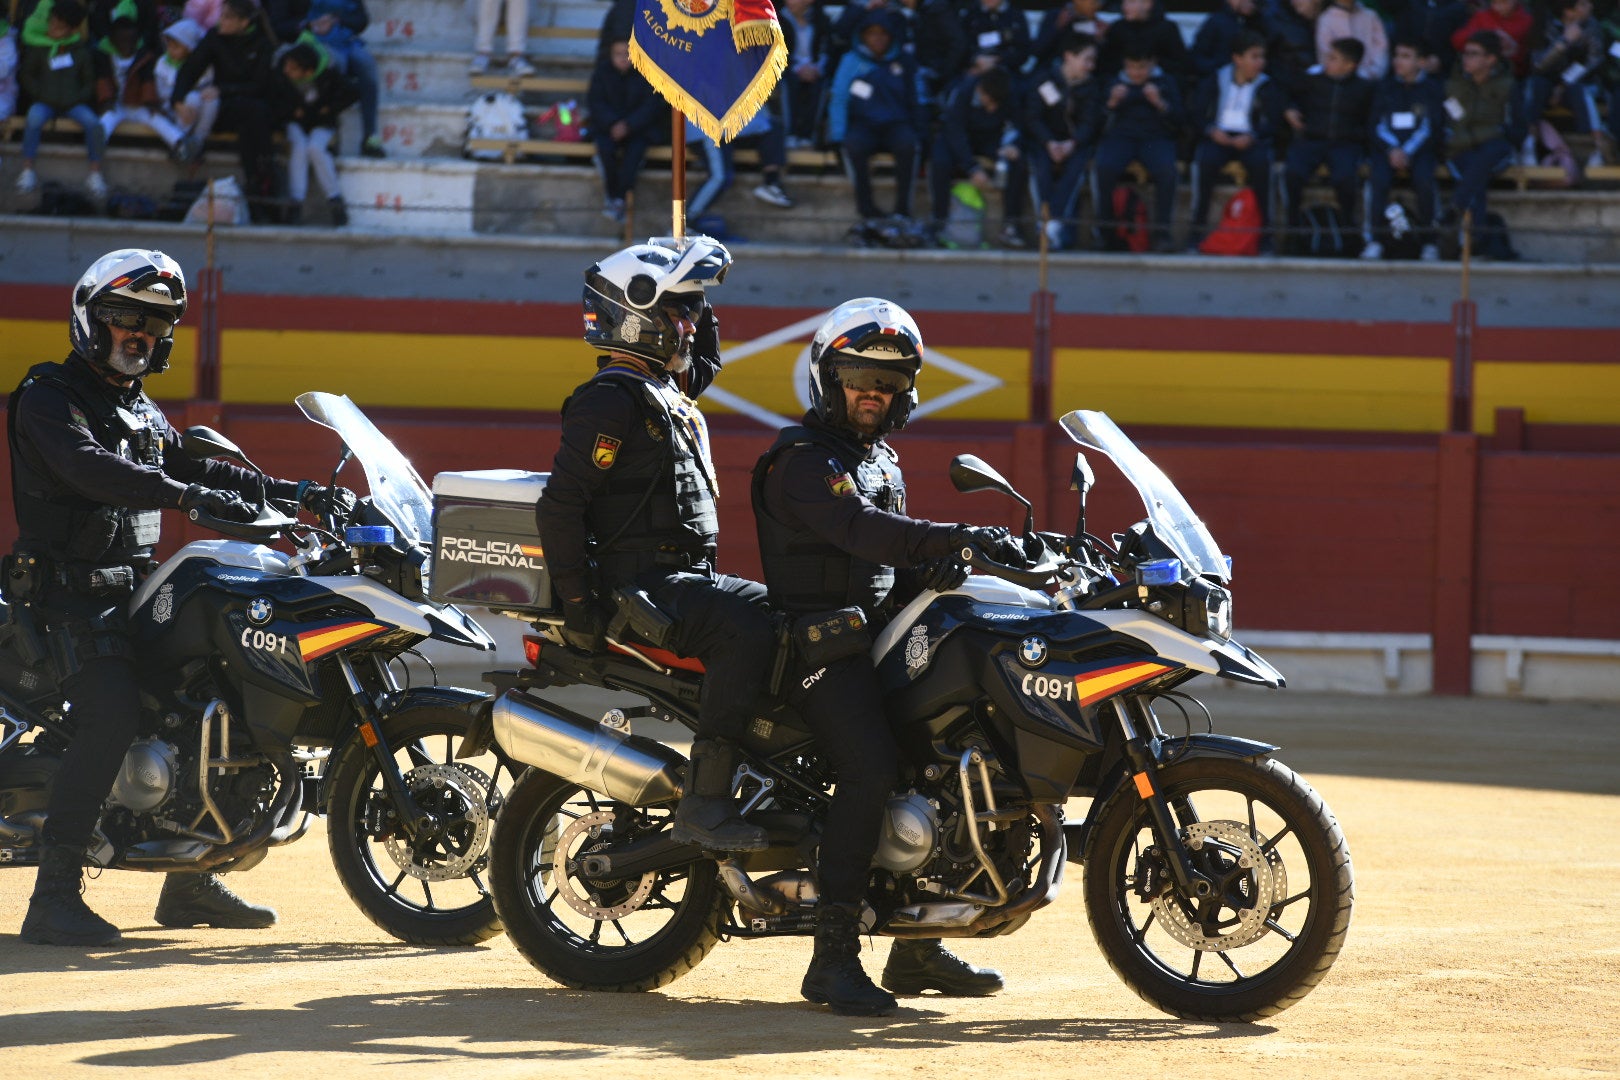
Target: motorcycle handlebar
x=1035 y=577
x=261 y=530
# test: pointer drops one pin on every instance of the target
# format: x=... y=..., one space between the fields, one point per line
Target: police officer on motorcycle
x=830 y=506
x=630 y=506
x=93 y=461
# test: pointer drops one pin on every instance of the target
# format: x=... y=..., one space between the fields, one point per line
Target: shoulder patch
x=77 y=416
x=606 y=451
x=840 y=484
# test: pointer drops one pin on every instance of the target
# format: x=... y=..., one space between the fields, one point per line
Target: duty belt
x=96 y=581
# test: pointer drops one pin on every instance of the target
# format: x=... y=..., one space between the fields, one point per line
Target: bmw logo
x=260 y=611
x=1032 y=651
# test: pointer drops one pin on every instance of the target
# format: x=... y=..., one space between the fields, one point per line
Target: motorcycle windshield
x=396 y=490
x=1173 y=519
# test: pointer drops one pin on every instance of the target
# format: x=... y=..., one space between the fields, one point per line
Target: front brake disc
x=1264 y=883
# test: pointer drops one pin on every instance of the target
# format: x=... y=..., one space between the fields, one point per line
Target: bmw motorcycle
x=1217 y=883
x=271 y=691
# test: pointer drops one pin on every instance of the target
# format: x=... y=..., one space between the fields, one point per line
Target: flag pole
x=677 y=172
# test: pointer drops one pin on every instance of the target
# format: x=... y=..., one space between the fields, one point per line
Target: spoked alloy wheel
x=626 y=934
x=428 y=889
x=1277 y=918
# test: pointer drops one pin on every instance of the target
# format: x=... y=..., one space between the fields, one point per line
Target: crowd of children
x=186 y=71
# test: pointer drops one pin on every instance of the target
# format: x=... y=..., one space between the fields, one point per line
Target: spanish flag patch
x=607 y=450
x=840 y=484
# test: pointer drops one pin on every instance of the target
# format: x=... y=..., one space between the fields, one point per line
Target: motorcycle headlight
x=1210 y=606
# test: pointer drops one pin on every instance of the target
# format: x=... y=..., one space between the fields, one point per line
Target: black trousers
x=724 y=623
x=843 y=704
x=88 y=638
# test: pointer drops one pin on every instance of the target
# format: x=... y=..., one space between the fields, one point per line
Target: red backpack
x=1130 y=231
x=1239 y=230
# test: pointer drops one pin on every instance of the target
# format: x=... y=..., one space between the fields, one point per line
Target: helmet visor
x=869 y=378
x=137 y=321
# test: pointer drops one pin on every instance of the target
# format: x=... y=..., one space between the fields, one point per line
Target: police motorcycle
x=1217 y=883
x=271 y=692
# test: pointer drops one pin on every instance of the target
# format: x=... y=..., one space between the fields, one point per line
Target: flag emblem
x=840 y=484
x=607 y=450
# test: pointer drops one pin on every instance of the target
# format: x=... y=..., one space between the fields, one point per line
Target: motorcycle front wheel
x=1277 y=918
x=429 y=889
x=627 y=935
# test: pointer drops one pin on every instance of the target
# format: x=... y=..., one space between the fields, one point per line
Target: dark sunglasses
x=687 y=305
x=865 y=379
x=139 y=322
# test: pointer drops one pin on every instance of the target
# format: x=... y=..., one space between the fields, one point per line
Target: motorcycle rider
x=631 y=505
x=93 y=461
x=830 y=507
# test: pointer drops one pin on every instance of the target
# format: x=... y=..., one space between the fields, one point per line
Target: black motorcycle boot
x=57 y=914
x=203 y=899
x=707 y=815
x=918 y=964
x=836 y=977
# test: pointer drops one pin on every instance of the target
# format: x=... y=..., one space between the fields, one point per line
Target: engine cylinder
x=907 y=840
x=630 y=768
x=147 y=776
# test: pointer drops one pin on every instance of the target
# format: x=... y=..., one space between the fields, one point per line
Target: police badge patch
x=840 y=484
x=163 y=604
x=606 y=452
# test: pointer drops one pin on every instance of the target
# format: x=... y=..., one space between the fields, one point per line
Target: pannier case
x=486 y=545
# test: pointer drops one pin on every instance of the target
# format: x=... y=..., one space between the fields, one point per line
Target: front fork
x=416 y=821
x=1144 y=765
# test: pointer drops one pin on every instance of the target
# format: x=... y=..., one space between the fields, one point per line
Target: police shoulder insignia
x=77 y=417
x=840 y=484
x=607 y=449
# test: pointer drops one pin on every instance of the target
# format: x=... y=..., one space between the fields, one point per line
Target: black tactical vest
x=805 y=573
x=658 y=506
x=54 y=520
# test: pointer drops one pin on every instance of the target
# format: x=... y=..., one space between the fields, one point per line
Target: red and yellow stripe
x=316 y=643
x=1092 y=686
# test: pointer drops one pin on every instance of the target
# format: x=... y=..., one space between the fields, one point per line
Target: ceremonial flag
x=717 y=61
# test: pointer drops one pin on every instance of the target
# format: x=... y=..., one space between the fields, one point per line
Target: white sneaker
x=1054 y=233
x=773 y=194
x=1596 y=160
x=1431 y=253
x=1527 y=156
x=96 y=185
x=27 y=181
x=1373 y=250
x=518 y=67
x=479 y=65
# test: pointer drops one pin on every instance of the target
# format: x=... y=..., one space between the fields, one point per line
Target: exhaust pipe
x=629 y=768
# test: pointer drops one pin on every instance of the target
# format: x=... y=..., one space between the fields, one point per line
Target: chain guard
x=469 y=785
x=1266 y=884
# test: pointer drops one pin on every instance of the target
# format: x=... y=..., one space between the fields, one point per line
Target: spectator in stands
x=875 y=106
x=313 y=93
x=762 y=134
x=8 y=68
x=1407 y=122
x=1063 y=120
x=126 y=83
x=997 y=34
x=1353 y=19
x=1212 y=47
x=337 y=26
x=517 y=37
x=57 y=73
x=938 y=45
x=1238 y=111
x=1609 y=77
x=202 y=102
x=1059 y=25
x=104 y=12
x=1483 y=125
x=1142 y=30
x=1330 y=126
x=1511 y=22
x=1430 y=24
x=1291 y=42
x=1143 y=119
x=626 y=117
x=205 y=13
x=1566 y=68
x=805 y=29
x=981 y=120
x=617 y=25
x=239 y=51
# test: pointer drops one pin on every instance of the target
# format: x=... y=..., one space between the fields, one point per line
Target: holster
x=645 y=618
x=24 y=576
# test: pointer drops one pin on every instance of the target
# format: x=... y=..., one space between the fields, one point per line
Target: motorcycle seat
x=667 y=658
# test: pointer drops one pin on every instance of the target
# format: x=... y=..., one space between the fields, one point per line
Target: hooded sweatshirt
x=875 y=89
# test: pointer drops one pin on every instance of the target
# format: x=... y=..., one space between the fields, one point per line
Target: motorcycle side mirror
x=969 y=474
x=205 y=442
x=1081 y=480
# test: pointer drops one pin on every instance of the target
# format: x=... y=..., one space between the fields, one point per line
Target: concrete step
x=568 y=29
x=421 y=77
x=427 y=130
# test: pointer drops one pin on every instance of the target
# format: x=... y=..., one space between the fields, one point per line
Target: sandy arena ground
x=1486 y=940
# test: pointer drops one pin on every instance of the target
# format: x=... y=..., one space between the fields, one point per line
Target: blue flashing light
x=1228 y=565
x=369 y=534
x=1159 y=572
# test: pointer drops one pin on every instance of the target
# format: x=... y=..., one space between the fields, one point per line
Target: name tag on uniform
x=1403 y=121
x=61 y=61
x=1454 y=109
x=1573 y=73
x=861 y=89
x=1050 y=93
x=989 y=39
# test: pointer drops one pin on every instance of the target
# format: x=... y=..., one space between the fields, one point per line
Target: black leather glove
x=942 y=575
x=585 y=624
x=995 y=541
x=337 y=502
x=706 y=339
x=225 y=505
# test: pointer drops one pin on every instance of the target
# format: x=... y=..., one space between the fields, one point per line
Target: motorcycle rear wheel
x=631 y=935
x=1283 y=910
x=427 y=892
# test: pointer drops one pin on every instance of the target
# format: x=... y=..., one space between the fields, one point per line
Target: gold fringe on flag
x=722 y=128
